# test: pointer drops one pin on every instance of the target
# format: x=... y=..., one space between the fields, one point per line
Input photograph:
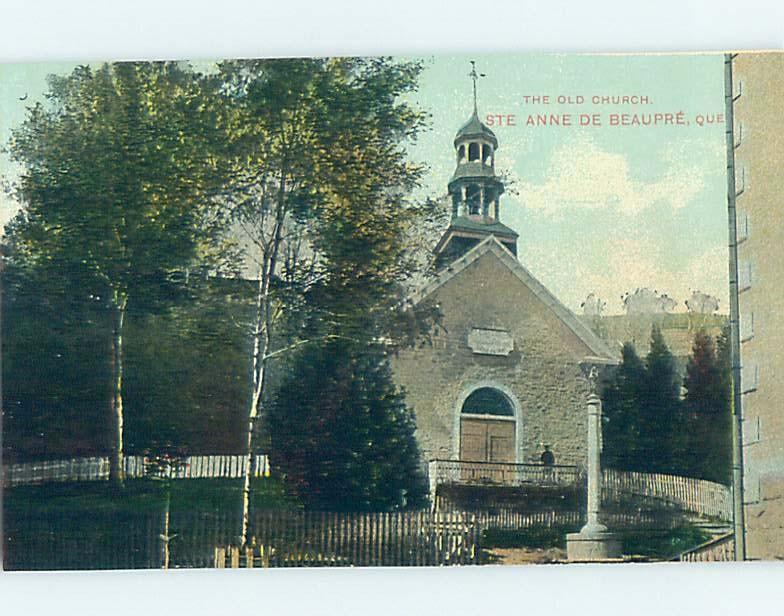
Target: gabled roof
x=462 y=226
x=601 y=352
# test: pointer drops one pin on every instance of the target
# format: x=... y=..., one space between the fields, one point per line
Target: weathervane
x=474 y=76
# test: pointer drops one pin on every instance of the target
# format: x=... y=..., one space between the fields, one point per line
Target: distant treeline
x=186 y=372
x=660 y=419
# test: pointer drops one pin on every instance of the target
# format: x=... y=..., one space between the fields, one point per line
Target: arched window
x=460 y=154
x=487 y=153
x=488 y=401
x=487 y=427
x=473 y=151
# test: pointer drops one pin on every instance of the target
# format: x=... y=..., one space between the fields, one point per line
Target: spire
x=474 y=76
x=474 y=189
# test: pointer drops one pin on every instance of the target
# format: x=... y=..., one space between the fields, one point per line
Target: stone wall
x=541 y=376
x=759 y=110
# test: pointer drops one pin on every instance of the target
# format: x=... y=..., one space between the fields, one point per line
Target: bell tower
x=474 y=191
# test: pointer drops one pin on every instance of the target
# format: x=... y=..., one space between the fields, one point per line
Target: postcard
x=391 y=311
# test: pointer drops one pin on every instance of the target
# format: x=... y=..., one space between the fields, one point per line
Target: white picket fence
x=699 y=496
x=97 y=469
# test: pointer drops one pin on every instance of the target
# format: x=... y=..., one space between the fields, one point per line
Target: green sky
x=598 y=209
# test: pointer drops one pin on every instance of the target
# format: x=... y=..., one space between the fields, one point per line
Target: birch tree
x=321 y=167
x=266 y=122
x=118 y=174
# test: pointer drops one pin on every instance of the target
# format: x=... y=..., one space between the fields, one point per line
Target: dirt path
x=526 y=556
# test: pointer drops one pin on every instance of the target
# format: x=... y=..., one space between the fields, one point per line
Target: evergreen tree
x=645 y=428
x=662 y=428
x=707 y=406
x=621 y=412
x=340 y=433
x=185 y=370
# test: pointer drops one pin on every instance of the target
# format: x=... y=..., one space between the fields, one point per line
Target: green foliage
x=185 y=372
x=661 y=445
x=118 y=175
x=135 y=173
x=649 y=428
x=341 y=435
x=321 y=145
x=621 y=410
x=644 y=427
x=143 y=495
x=534 y=538
x=55 y=377
x=662 y=544
x=327 y=143
x=707 y=404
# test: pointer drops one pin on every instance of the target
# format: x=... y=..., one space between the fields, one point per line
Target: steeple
x=474 y=190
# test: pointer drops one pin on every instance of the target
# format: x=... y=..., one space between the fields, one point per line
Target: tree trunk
x=116 y=459
x=165 y=538
x=260 y=347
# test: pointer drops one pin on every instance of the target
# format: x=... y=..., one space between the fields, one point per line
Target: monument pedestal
x=592 y=544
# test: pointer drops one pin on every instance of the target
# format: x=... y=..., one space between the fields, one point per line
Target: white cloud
x=616 y=265
x=582 y=175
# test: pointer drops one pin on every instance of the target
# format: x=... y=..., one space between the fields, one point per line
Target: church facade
x=505 y=378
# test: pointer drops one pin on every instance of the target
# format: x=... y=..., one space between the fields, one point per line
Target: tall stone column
x=593 y=542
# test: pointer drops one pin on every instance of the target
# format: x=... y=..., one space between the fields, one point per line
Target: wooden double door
x=487 y=440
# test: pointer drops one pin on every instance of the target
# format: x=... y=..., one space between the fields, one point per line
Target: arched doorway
x=487 y=427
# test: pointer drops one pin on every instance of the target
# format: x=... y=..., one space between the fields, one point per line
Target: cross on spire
x=474 y=76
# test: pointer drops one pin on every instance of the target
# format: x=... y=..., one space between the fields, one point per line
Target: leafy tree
x=320 y=176
x=707 y=405
x=268 y=111
x=119 y=169
x=54 y=383
x=185 y=370
x=341 y=435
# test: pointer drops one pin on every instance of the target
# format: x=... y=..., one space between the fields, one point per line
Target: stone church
x=505 y=377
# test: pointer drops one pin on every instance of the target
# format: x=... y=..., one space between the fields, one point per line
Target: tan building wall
x=759 y=160
x=541 y=375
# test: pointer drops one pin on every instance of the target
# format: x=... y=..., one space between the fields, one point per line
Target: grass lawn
x=144 y=495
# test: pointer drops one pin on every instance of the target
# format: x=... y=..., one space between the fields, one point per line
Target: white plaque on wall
x=490 y=341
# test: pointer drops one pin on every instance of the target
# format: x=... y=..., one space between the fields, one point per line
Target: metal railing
x=501 y=474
